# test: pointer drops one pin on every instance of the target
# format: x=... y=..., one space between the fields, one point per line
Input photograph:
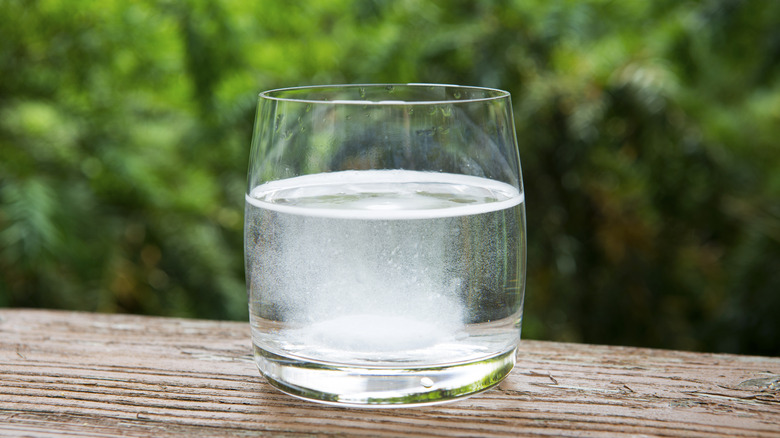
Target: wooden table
x=85 y=374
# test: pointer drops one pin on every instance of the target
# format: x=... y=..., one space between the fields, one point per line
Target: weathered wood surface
x=83 y=374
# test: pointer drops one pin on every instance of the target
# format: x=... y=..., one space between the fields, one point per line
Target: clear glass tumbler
x=385 y=242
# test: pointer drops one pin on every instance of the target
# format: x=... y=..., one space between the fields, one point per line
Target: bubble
x=426 y=382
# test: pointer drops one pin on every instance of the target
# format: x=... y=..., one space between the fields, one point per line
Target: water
x=384 y=269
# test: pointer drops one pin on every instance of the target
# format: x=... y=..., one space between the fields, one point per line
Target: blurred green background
x=648 y=133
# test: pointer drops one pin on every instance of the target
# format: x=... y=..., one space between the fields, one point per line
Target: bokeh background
x=648 y=133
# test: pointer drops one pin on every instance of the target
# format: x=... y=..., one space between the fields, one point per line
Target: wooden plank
x=83 y=374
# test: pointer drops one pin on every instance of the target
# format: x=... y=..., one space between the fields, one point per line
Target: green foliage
x=648 y=133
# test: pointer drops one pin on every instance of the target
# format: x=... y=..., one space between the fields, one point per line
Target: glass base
x=382 y=386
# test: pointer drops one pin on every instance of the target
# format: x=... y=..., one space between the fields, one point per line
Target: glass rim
x=499 y=94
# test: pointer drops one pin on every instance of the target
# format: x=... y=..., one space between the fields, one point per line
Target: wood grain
x=84 y=374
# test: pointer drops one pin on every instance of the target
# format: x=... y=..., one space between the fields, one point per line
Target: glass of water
x=385 y=242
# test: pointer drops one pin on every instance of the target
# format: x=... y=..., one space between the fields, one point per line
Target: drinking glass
x=385 y=242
